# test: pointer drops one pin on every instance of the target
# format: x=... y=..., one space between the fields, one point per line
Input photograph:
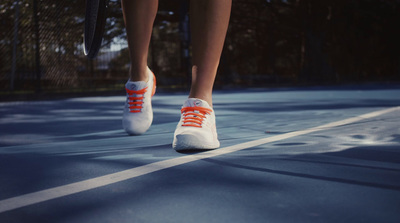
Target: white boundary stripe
x=61 y=191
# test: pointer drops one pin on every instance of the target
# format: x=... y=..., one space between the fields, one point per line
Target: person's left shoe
x=196 y=129
x=138 y=112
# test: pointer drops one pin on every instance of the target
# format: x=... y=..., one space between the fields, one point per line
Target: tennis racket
x=95 y=21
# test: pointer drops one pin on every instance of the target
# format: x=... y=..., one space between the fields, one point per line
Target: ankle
x=138 y=74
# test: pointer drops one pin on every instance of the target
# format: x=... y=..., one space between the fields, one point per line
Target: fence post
x=37 y=43
x=15 y=43
x=185 y=39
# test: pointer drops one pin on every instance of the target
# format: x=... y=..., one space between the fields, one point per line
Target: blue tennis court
x=321 y=154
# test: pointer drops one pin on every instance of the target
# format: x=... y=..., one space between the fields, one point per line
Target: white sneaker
x=138 y=113
x=196 y=129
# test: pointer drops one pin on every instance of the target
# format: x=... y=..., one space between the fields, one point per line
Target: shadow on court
x=225 y=188
x=349 y=173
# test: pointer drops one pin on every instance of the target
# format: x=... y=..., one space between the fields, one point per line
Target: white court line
x=61 y=191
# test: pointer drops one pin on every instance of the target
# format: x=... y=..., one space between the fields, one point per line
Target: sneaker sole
x=187 y=142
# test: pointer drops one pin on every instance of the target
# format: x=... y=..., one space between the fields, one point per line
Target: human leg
x=139 y=17
x=209 y=23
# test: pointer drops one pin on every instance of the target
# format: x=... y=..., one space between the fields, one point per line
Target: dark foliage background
x=269 y=43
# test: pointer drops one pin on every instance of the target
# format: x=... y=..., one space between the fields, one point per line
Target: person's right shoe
x=196 y=129
x=138 y=112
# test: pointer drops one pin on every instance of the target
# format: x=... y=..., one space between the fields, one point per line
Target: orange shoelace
x=135 y=100
x=193 y=118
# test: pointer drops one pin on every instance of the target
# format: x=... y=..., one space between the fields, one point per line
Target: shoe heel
x=154 y=85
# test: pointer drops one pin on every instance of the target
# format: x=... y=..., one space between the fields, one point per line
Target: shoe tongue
x=195 y=102
x=135 y=85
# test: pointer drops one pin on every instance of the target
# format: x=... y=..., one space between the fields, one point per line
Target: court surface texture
x=316 y=154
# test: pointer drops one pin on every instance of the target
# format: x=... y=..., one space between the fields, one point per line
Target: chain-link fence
x=41 y=48
x=268 y=42
x=43 y=44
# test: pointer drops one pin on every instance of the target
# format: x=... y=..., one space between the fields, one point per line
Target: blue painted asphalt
x=349 y=173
